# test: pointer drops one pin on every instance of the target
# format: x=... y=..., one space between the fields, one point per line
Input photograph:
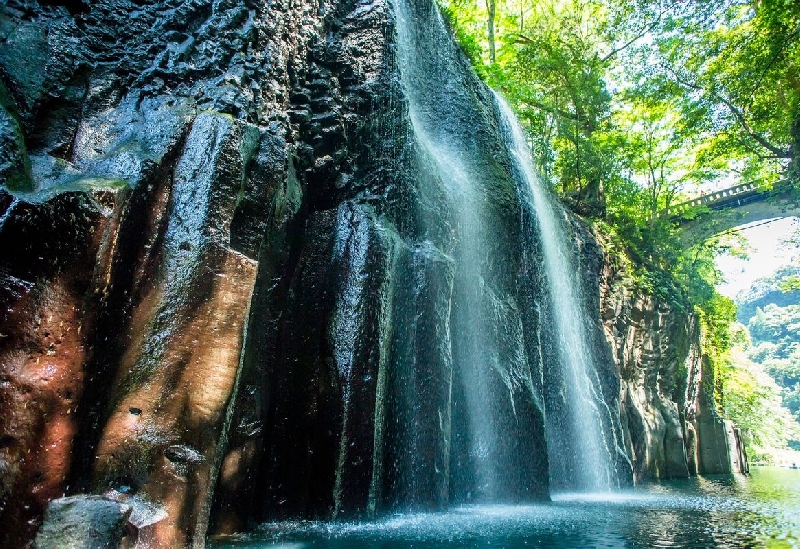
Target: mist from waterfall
x=455 y=179
x=580 y=425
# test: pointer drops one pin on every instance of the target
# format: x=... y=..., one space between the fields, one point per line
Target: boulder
x=83 y=522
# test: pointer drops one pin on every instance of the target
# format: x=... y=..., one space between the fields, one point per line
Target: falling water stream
x=581 y=435
x=580 y=431
x=9 y=210
x=460 y=182
x=580 y=424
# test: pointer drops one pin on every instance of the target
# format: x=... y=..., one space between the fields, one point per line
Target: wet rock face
x=50 y=251
x=83 y=522
x=667 y=409
x=225 y=292
x=141 y=149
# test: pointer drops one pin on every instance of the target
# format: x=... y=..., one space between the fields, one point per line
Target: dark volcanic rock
x=221 y=266
x=141 y=147
x=50 y=251
x=83 y=522
x=234 y=281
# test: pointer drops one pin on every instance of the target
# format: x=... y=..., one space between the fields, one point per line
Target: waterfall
x=496 y=449
x=439 y=380
x=504 y=365
x=582 y=431
x=459 y=182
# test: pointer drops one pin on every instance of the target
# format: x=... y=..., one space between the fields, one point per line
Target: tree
x=556 y=78
x=775 y=333
x=491 y=14
x=655 y=150
x=753 y=400
x=733 y=66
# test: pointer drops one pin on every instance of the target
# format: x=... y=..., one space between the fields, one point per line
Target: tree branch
x=522 y=39
x=553 y=110
x=641 y=34
x=786 y=40
x=739 y=115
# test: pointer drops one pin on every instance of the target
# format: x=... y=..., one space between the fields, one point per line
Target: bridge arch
x=730 y=208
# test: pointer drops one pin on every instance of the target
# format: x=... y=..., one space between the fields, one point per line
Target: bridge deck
x=725 y=198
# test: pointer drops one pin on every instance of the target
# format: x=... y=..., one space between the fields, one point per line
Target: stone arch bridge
x=732 y=207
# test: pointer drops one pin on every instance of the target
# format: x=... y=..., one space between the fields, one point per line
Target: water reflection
x=722 y=512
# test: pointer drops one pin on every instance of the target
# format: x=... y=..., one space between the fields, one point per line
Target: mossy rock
x=15 y=168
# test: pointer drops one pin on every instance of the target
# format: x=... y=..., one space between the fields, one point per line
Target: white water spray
x=581 y=430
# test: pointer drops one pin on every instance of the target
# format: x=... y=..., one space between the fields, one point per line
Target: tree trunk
x=491 y=8
x=794 y=148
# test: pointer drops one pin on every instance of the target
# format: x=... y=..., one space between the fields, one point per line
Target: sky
x=768 y=252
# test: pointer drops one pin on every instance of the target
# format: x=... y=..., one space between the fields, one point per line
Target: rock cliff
x=231 y=275
x=672 y=428
x=147 y=149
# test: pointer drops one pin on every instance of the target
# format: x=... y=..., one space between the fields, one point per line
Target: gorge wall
x=232 y=276
x=667 y=407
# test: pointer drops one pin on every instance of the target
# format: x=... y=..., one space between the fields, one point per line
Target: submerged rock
x=83 y=522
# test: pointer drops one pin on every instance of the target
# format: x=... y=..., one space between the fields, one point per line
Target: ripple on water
x=726 y=512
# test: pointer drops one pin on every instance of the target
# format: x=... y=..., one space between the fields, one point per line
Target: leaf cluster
x=632 y=107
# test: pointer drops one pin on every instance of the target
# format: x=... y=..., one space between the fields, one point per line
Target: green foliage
x=775 y=332
x=732 y=68
x=778 y=325
x=777 y=288
x=753 y=400
x=770 y=355
x=629 y=106
x=460 y=18
x=632 y=103
x=790 y=284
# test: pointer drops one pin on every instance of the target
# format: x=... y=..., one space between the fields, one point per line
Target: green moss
x=130 y=466
x=15 y=167
x=7 y=101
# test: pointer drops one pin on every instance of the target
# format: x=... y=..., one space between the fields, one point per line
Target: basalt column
x=140 y=168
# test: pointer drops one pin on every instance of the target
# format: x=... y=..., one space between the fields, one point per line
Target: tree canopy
x=632 y=106
x=635 y=101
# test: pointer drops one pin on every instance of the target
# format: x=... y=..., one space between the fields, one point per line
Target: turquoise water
x=761 y=510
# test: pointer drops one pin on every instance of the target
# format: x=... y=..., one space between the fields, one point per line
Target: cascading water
x=9 y=210
x=494 y=453
x=452 y=170
x=582 y=432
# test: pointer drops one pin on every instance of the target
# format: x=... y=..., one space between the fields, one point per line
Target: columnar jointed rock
x=141 y=147
x=666 y=400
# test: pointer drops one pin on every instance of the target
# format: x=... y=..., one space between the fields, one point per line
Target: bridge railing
x=710 y=199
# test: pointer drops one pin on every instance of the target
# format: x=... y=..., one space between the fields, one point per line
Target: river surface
x=760 y=510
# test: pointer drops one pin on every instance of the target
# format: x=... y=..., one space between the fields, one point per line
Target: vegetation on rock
x=630 y=106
